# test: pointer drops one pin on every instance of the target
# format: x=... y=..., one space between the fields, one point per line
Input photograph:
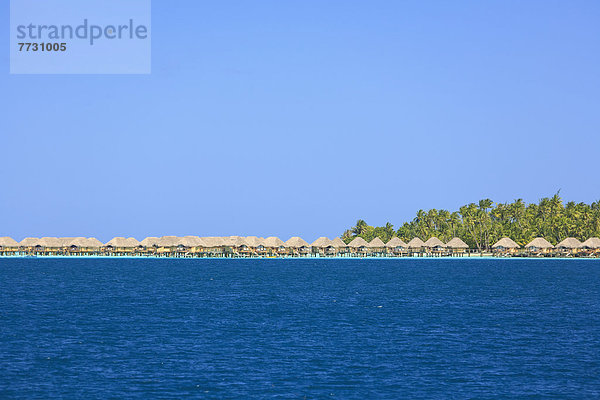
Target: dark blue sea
x=315 y=329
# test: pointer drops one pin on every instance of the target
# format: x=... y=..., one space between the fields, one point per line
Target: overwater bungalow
x=83 y=246
x=320 y=245
x=376 y=247
x=261 y=250
x=52 y=242
x=8 y=246
x=29 y=245
x=358 y=246
x=505 y=246
x=41 y=246
x=434 y=246
x=93 y=245
x=122 y=246
x=591 y=247
x=242 y=247
x=297 y=246
x=135 y=245
x=539 y=246
x=254 y=244
x=568 y=247
x=172 y=246
x=219 y=246
x=416 y=246
x=150 y=244
x=51 y=246
x=396 y=246
x=456 y=246
x=274 y=246
x=195 y=245
x=338 y=247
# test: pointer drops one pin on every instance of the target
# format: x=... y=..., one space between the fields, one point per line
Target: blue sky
x=299 y=117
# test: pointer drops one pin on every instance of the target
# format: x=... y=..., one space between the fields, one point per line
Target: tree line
x=481 y=224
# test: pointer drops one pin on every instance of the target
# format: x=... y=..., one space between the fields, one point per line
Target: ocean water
x=239 y=329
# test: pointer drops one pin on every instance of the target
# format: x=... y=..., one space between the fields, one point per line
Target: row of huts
x=252 y=246
x=540 y=246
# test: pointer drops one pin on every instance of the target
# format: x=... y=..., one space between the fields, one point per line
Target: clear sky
x=299 y=117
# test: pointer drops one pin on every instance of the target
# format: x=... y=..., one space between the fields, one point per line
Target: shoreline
x=300 y=258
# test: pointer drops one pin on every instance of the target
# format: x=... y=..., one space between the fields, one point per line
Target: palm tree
x=388 y=231
x=360 y=228
x=454 y=221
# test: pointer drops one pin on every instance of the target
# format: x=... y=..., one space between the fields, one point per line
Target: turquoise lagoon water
x=304 y=328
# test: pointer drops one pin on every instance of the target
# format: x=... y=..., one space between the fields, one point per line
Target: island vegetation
x=481 y=224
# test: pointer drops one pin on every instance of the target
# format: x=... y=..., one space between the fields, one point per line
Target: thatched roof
x=93 y=243
x=457 y=243
x=358 y=242
x=272 y=242
x=29 y=242
x=296 y=242
x=569 y=243
x=228 y=241
x=78 y=241
x=170 y=241
x=253 y=241
x=193 y=241
x=51 y=242
x=592 y=243
x=83 y=242
x=150 y=241
x=539 y=243
x=338 y=243
x=123 y=243
x=8 y=242
x=376 y=244
x=321 y=242
x=133 y=242
x=116 y=242
x=214 y=241
x=506 y=243
x=434 y=242
x=396 y=242
x=66 y=241
x=416 y=243
x=175 y=241
x=239 y=241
